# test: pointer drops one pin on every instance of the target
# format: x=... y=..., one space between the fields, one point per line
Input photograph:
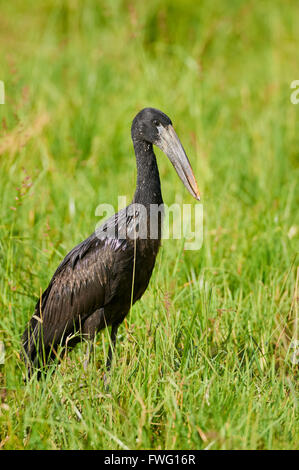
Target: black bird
x=101 y=278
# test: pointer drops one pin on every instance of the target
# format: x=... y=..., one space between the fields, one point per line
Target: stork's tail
x=31 y=344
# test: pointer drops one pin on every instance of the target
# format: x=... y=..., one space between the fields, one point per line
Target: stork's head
x=153 y=126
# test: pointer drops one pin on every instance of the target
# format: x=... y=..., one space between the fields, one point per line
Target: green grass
x=206 y=359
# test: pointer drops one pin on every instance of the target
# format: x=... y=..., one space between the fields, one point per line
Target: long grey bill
x=170 y=144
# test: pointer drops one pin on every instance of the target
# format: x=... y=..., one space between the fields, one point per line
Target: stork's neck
x=148 y=188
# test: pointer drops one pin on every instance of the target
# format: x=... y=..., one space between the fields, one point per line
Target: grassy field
x=206 y=360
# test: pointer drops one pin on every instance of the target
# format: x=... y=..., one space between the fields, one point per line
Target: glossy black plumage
x=92 y=286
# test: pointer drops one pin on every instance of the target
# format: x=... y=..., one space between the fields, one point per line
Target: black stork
x=102 y=277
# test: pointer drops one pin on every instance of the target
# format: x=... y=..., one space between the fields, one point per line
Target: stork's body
x=99 y=280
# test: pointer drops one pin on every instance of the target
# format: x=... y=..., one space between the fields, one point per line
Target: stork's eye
x=156 y=123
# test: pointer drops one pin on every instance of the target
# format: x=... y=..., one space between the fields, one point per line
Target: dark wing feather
x=75 y=291
x=85 y=281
